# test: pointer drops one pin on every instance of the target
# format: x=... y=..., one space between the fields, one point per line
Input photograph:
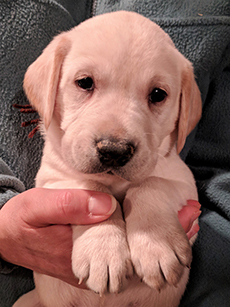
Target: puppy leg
x=29 y=299
x=159 y=247
x=101 y=256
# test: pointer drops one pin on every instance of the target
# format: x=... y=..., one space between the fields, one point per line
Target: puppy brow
x=159 y=80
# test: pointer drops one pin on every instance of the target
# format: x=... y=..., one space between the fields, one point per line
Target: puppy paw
x=160 y=258
x=101 y=257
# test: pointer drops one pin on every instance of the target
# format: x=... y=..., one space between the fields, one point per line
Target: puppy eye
x=85 y=83
x=157 y=95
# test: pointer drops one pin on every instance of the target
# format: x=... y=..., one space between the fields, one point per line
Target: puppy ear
x=42 y=77
x=190 y=106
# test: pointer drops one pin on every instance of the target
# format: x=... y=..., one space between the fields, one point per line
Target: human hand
x=35 y=229
x=187 y=215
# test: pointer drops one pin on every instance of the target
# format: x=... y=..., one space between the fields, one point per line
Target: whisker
x=148 y=133
x=164 y=152
x=160 y=155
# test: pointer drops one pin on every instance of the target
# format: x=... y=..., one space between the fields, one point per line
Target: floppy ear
x=42 y=77
x=190 y=106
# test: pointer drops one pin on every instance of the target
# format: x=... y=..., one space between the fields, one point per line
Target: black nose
x=114 y=153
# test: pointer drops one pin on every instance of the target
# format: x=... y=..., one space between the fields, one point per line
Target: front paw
x=160 y=257
x=101 y=257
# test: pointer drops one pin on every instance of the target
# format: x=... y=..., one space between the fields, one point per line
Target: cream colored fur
x=127 y=56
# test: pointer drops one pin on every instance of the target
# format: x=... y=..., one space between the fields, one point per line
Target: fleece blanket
x=201 y=31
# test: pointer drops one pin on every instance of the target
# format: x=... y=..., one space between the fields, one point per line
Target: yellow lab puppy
x=117 y=100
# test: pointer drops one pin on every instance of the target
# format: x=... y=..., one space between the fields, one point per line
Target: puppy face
x=114 y=94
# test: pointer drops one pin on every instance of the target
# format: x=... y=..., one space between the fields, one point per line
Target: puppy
x=117 y=100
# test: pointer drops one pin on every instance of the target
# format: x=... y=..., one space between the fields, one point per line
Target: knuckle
x=63 y=201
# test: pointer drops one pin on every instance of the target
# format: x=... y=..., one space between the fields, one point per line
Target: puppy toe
x=171 y=268
x=129 y=269
x=98 y=277
x=119 y=273
x=184 y=254
x=155 y=279
x=82 y=271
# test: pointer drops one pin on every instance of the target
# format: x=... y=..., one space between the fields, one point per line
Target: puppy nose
x=114 y=153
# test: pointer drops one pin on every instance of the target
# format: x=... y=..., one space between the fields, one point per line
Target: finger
x=193 y=231
x=51 y=258
x=194 y=203
x=52 y=206
x=188 y=214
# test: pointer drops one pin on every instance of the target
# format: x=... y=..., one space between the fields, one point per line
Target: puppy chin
x=125 y=173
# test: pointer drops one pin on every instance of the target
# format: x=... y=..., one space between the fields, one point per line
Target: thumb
x=68 y=206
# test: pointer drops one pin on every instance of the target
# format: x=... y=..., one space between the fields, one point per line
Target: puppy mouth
x=102 y=170
x=118 y=172
x=115 y=174
x=110 y=173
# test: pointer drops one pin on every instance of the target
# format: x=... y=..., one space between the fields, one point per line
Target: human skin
x=35 y=229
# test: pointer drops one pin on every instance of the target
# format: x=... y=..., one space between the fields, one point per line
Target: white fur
x=127 y=56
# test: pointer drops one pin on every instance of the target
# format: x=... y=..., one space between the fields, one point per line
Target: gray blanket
x=201 y=31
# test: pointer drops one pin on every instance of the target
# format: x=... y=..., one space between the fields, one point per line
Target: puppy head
x=118 y=90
